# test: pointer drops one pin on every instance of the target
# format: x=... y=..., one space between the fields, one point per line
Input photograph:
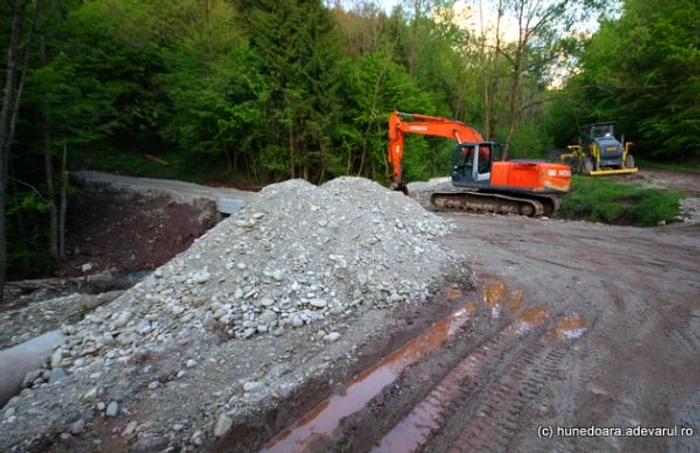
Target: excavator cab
x=471 y=162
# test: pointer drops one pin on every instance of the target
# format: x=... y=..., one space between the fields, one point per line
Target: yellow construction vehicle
x=599 y=153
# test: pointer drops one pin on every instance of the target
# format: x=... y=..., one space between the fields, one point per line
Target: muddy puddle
x=533 y=316
x=408 y=435
x=455 y=293
x=569 y=327
x=497 y=296
x=325 y=418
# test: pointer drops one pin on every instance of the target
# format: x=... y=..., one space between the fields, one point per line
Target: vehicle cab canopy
x=598 y=130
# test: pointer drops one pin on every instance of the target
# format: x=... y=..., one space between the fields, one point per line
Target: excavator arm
x=413 y=123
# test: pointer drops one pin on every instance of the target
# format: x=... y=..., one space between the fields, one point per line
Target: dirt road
x=185 y=191
x=688 y=182
x=575 y=325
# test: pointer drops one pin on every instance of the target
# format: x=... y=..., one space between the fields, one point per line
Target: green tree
x=642 y=70
x=300 y=59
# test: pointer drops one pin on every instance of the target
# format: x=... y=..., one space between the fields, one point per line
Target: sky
x=590 y=26
x=388 y=5
x=468 y=17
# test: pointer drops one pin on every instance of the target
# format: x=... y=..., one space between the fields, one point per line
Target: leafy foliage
x=642 y=70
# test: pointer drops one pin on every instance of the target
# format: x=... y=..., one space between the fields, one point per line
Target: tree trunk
x=20 y=87
x=292 y=156
x=322 y=175
x=523 y=33
x=514 y=111
x=493 y=87
x=21 y=225
x=227 y=156
x=48 y=166
x=515 y=87
x=484 y=62
x=362 y=158
x=6 y=114
x=414 y=39
x=64 y=203
x=51 y=189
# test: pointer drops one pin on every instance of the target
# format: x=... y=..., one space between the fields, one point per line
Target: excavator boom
x=423 y=125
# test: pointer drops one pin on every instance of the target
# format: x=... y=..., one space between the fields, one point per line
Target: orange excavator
x=489 y=184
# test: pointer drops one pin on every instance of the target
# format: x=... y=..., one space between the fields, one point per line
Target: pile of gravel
x=297 y=255
x=421 y=190
x=690 y=210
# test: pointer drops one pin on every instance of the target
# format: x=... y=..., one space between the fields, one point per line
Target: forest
x=257 y=91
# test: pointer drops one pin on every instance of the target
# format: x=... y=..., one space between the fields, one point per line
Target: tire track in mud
x=463 y=394
x=428 y=415
x=499 y=414
x=455 y=397
x=651 y=319
x=688 y=343
x=637 y=288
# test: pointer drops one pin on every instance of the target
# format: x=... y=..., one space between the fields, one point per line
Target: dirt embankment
x=126 y=231
x=686 y=182
x=114 y=237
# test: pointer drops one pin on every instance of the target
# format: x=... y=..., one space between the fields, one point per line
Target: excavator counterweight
x=488 y=183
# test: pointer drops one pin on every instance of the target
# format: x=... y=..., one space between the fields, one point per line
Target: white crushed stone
x=690 y=210
x=296 y=255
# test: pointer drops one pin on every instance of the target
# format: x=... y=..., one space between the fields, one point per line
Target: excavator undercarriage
x=496 y=203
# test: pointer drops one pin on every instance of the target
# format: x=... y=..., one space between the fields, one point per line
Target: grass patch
x=599 y=199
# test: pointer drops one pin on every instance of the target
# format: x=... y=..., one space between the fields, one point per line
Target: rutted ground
x=575 y=325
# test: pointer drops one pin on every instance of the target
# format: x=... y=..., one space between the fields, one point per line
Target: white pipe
x=17 y=361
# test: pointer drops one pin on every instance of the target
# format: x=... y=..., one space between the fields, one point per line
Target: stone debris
x=77 y=427
x=331 y=337
x=223 y=424
x=130 y=428
x=690 y=210
x=112 y=409
x=297 y=255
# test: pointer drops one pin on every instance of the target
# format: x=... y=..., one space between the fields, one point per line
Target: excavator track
x=488 y=202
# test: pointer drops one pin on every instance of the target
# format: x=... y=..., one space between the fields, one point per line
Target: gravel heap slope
x=297 y=257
